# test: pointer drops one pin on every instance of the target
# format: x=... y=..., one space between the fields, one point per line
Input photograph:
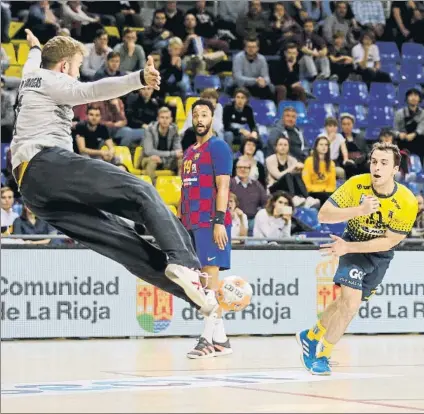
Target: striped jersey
x=201 y=166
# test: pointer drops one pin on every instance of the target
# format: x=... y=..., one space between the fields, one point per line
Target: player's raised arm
x=34 y=57
x=340 y=207
x=74 y=92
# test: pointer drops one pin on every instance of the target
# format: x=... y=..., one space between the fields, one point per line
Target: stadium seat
x=173 y=209
x=14 y=28
x=224 y=99
x=308 y=217
x=10 y=52
x=125 y=156
x=145 y=178
x=381 y=116
x=403 y=88
x=189 y=103
x=414 y=187
x=372 y=134
x=23 y=51
x=326 y=91
x=412 y=53
x=137 y=156
x=358 y=111
x=264 y=111
x=310 y=133
x=354 y=93
x=169 y=188
x=389 y=52
x=14 y=70
x=206 y=81
x=382 y=94
x=318 y=113
x=178 y=103
x=415 y=164
x=392 y=69
x=336 y=228
x=112 y=31
x=412 y=73
x=298 y=106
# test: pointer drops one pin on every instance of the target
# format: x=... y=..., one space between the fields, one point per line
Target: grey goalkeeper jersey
x=44 y=106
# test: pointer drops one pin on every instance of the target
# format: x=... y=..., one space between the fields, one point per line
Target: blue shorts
x=208 y=251
x=363 y=271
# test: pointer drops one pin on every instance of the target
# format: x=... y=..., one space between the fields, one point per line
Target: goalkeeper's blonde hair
x=60 y=48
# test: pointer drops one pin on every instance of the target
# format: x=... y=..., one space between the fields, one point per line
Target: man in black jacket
x=236 y=116
x=356 y=147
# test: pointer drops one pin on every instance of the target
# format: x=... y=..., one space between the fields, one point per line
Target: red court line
x=301 y=394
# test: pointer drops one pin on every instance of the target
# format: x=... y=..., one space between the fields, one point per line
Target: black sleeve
x=262 y=177
x=250 y=118
x=103 y=132
x=80 y=129
x=226 y=118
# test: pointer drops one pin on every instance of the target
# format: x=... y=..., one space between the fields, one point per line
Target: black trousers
x=292 y=184
x=82 y=197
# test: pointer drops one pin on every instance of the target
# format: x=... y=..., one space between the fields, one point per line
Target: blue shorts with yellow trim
x=363 y=271
x=208 y=251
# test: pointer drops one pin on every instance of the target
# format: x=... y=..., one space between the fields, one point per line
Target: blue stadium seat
x=298 y=106
x=326 y=91
x=414 y=187
x=4 y=149
x=264 y=111
x=308 y=217
x=319 y=112
x=382 y=94
x=337 y=228
x=224 y=99
x=310 y=133
x=3 y=179
x=412 y=53
x=372 y=134
x=392 y=69
x=403 y=88
x=354 y=93
x=381 y=116
x=412 y=73
x=358 y=111
x=389 y=52
x=415 y=164
x=206 y=81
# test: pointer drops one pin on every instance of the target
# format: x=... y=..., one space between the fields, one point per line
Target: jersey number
x=187 y=166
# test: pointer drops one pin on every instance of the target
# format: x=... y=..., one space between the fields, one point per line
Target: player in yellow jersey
x=380 y=213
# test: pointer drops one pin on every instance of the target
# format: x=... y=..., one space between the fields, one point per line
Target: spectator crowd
x=286 y=80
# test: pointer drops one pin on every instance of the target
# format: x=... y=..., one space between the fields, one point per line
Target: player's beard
x=204 y=132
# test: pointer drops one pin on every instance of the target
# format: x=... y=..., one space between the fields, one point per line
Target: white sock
x=209 y=328
x=219 y=332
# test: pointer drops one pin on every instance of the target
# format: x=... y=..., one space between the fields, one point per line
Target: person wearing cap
x=409 y=124
x=356 y=146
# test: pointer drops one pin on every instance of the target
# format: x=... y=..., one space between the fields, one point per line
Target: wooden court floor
x=371 y=374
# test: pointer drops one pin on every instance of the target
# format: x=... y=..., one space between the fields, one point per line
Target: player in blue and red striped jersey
x=206 y=173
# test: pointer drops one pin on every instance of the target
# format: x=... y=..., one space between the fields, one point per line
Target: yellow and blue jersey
x=397 y=211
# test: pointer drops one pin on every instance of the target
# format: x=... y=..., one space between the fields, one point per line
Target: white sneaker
x=298 y=201
x=189 y=280
x=312 y=203
x=203 y=349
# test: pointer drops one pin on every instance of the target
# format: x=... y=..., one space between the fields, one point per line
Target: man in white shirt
x=83 y=197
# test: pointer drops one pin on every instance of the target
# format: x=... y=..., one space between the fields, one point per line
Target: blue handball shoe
x=308 y=348
x=321 y=366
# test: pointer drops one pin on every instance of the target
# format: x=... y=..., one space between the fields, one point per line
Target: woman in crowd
x=319 y=172
x=275 y=220
x=239 y=219
x=284 y=174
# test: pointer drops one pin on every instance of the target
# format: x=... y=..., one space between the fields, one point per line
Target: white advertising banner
x=78 y=293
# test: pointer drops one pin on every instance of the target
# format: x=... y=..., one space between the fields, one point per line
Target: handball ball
x=234 y=293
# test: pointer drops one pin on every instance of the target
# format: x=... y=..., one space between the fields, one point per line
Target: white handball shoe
x=189 y=280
